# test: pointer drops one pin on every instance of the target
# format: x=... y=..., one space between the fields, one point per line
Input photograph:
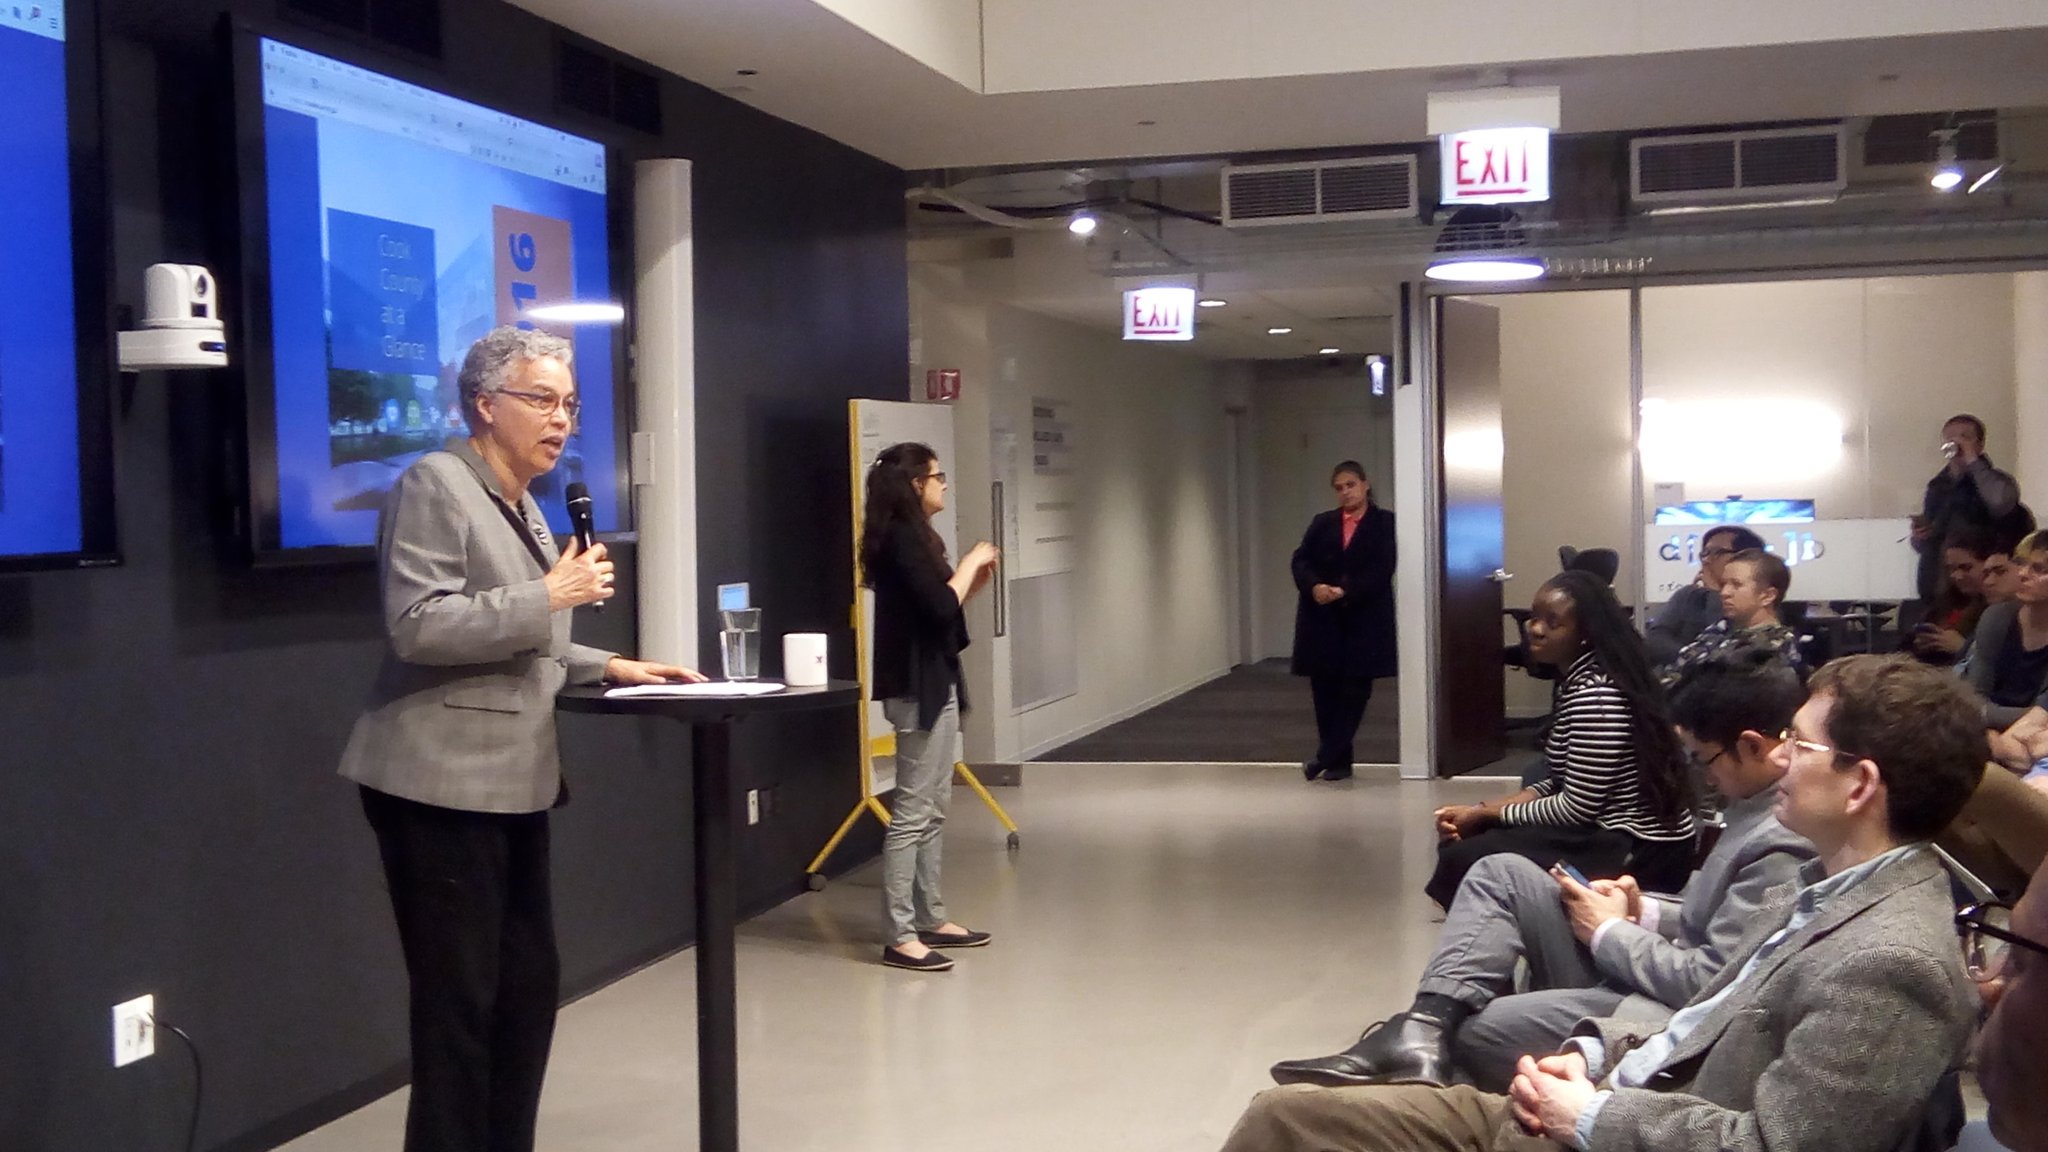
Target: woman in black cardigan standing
x=1344 y=626
x=919 y=632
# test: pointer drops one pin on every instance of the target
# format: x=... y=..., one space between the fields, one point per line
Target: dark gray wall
x=170 y=821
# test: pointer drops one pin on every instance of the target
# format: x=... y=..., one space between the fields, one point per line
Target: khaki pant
x=1382 y=1118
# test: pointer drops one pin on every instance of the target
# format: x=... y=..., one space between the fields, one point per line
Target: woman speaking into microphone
x=456 y=753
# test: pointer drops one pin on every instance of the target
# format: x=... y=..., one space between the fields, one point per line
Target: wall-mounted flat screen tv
x=56 y=454
x=386 y=227
x=1736 y=511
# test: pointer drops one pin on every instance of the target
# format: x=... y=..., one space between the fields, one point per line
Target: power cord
x=198 y=1080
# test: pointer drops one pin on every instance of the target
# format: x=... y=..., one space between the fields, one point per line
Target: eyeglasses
x=939 y=476
x=546 y=403
x=1988 y=939
x=1803 y=745
x=1693 y=756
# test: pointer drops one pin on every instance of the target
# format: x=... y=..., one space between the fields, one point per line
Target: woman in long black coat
x=1344 y=626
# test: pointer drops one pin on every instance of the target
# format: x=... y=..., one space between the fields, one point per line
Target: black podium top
x=708 y=709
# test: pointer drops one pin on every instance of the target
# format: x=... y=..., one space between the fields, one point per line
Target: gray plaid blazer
x=462 y=714
x=1834 y=1044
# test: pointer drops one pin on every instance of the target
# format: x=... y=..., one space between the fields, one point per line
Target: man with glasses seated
x=1695 y=608
x=1604 y=950
x=2006 y=952
x=1831 y=1026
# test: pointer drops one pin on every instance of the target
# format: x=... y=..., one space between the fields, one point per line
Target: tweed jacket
x=1834 y=1044
x=1697 y=933
x=462 y=714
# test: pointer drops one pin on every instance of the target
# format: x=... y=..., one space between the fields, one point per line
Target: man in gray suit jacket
x=455 y=752
x=1607 y=950
x=1834 y=1020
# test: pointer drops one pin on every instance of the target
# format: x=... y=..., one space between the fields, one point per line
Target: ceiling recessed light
x=748 y=72
x=1328 y=351
x=1278 y=331
x=1082 y=224
x=1148 y=123
x=1212 y=302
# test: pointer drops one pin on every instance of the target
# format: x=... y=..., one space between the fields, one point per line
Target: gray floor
x=1258 y=714
x=1164 y=934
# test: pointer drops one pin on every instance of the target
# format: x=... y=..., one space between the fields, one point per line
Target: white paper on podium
x=709 y=688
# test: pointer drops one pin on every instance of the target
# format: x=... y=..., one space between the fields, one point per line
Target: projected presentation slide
x=40 y=506
x=404 y=224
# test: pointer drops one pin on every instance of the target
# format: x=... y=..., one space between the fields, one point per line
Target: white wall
x=1566 y=428
x=1305 y=424
x=943 y=35
x=1887 y=359
x=2029 y=460
x=1148 y=509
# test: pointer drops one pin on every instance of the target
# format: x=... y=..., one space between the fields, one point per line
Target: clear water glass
x=739 y=643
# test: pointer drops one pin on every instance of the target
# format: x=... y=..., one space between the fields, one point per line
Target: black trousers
x=1340 y=704
x=1600 y=853
x=476 y=922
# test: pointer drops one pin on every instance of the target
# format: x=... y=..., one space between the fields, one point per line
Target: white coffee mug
x=803 y=659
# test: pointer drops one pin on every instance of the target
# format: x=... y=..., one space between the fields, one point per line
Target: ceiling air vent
x=413 y=25
x=1766 y=163
x=1369 y=188
x=595 y=83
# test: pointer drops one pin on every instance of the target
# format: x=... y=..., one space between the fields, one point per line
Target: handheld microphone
x=581 y=522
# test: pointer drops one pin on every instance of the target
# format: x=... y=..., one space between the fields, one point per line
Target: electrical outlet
x=753 y=806
x=134 y=1030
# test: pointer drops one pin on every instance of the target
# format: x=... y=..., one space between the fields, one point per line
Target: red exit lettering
x=1499 y=167
x=1154 y=315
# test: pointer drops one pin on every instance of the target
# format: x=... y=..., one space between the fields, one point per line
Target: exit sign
x=1159 y=314
x=1496 y=166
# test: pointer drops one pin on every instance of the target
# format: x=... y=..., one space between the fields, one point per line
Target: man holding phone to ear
x=1602 y=948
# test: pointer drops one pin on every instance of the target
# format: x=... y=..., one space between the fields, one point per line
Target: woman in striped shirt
x=1619 y=797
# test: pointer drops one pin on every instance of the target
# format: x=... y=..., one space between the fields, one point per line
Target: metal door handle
x=1500 y=576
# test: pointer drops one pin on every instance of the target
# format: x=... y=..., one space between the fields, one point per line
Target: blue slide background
x=314 y=166
x=39 y=483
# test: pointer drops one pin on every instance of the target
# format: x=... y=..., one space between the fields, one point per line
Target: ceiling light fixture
x=1212 y=302
x=1328 y=351
x=1278 y=331
x=1948 y=171
x=1986 y=178
x=1477 y=246
x=1082 y=224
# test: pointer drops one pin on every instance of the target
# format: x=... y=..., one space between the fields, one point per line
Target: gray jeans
x=917 y=818
x=1507 y=909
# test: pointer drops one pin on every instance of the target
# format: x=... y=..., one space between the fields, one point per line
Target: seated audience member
x=1608 y=950
x=1951 y=619
x=1618 y=795
x=1999 y=582
x=1830 y=1027
x=2002 y=834
x=1694 y=608
x=2009 y=667
x=2008 y=955
x=1753 y=587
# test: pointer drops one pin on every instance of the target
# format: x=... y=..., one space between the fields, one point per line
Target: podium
x=711 y=720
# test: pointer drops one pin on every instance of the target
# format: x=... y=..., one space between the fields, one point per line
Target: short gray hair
x=500 y=353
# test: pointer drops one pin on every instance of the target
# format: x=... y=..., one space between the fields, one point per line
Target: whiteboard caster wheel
x=1012 y=842
x=815 y=881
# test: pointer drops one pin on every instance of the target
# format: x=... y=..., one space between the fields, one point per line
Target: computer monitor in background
x=56 y=451
x=1736 y=511
x=386 y=227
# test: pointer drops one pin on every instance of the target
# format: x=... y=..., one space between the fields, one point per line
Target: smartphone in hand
x=1577 y=876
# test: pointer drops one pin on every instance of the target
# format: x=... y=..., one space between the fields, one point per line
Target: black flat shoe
x=929 y=962
x=1337 y=774
x=1310 y=769
x=1403 y=1049
x=953 y=939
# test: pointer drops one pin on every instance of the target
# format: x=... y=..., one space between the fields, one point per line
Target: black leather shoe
x=929 y=962
x=1336 y=773
x=1310 y=769
x=1403 y=1049
x=968 y=939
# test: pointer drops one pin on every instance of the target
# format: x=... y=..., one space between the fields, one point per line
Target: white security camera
x=181 y=324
